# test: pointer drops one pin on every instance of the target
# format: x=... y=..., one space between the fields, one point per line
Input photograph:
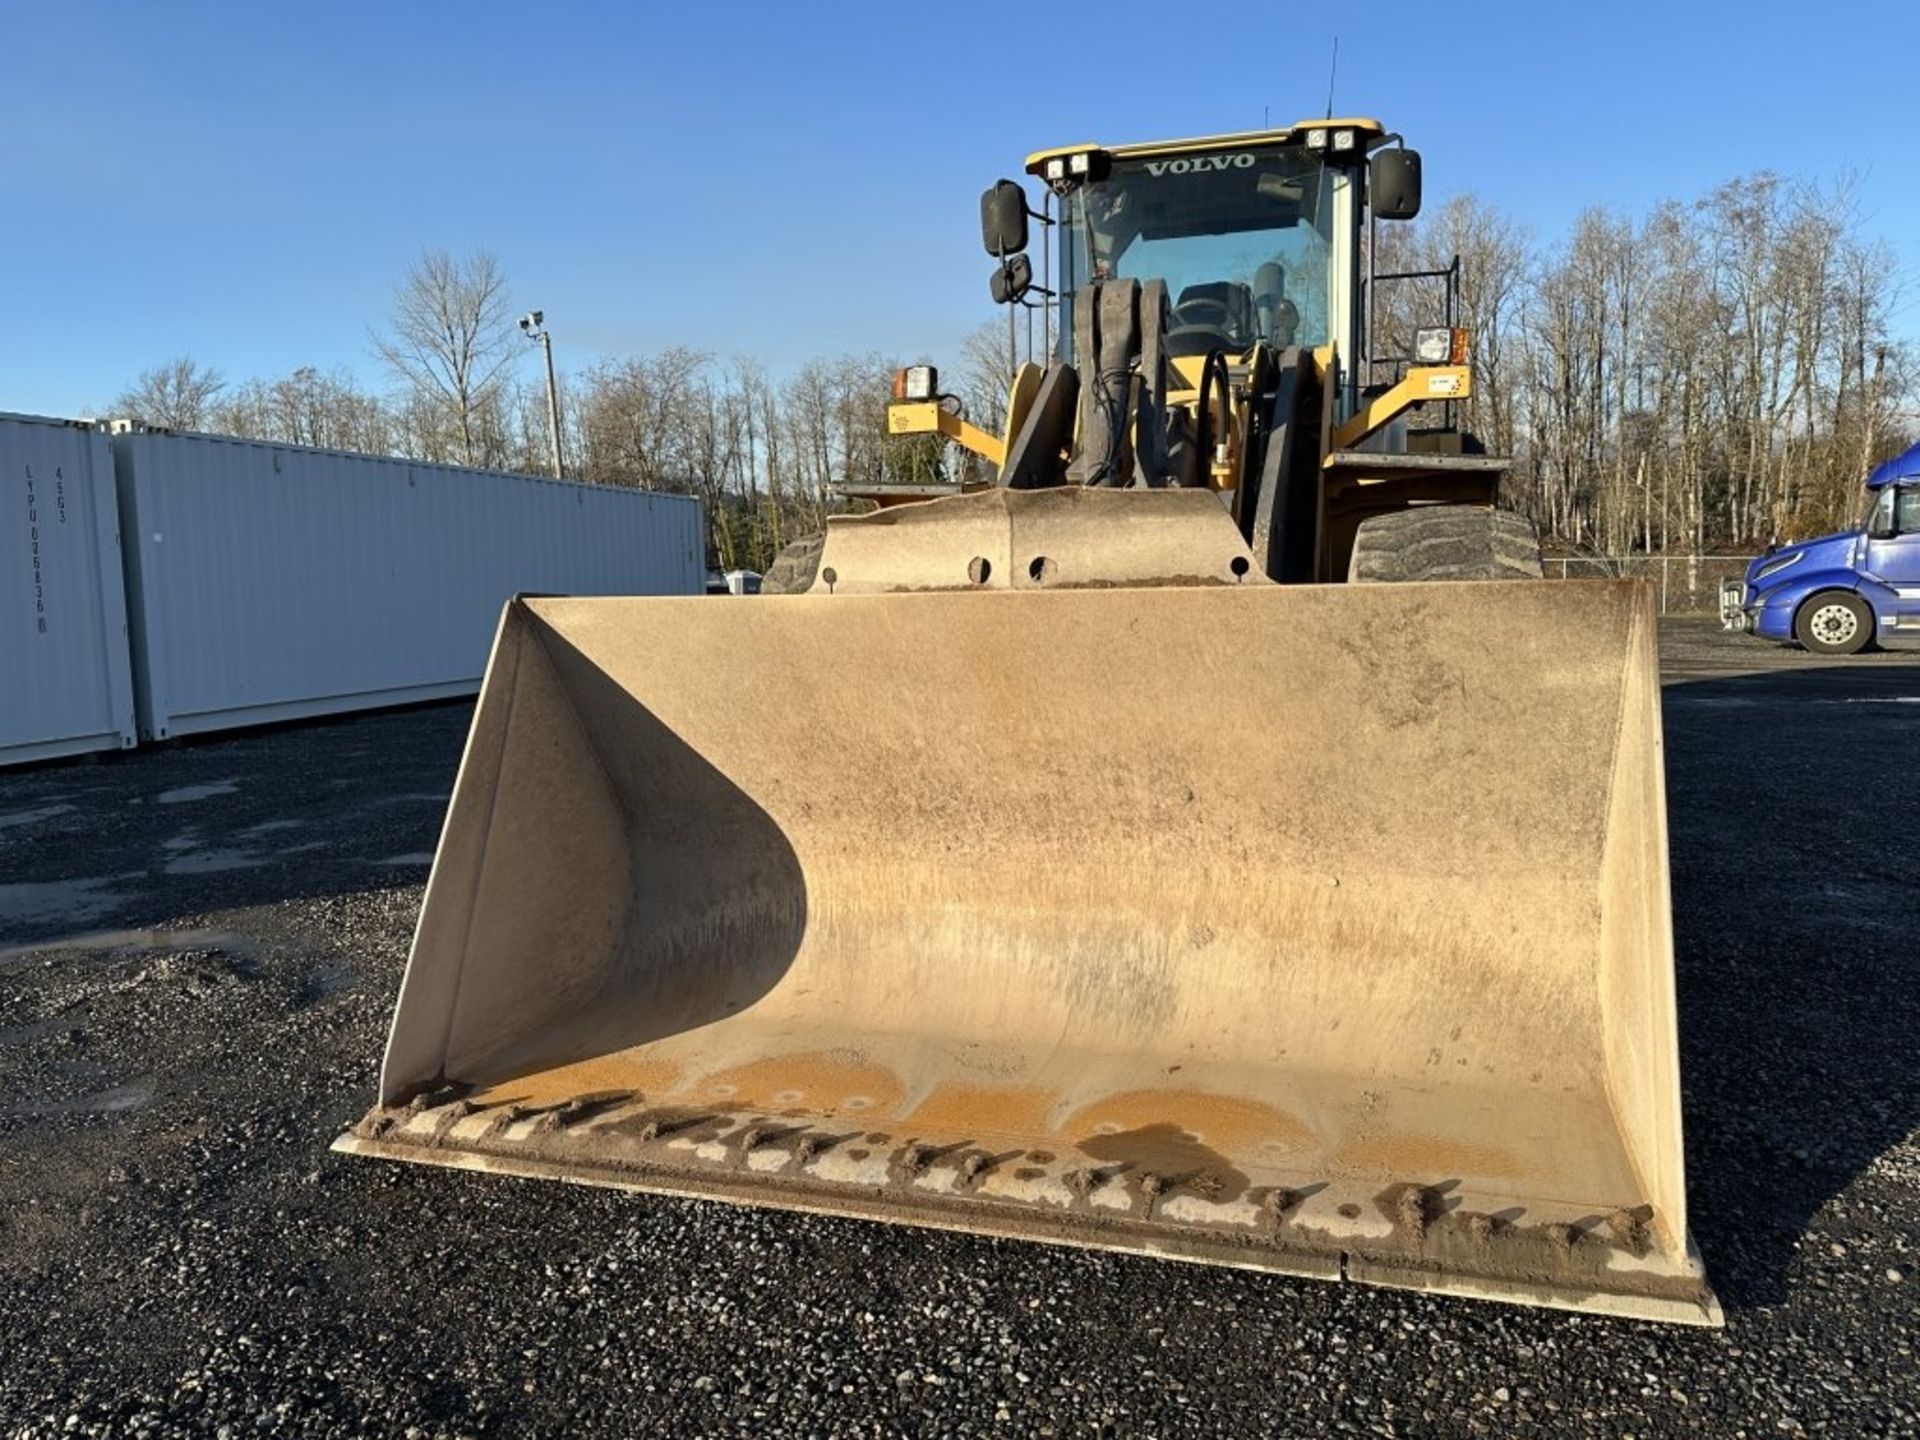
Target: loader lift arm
x=930 y=417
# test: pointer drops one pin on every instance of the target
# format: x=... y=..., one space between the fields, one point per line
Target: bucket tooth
x=1084 y=1182
x=807 y=1147
x=450 y=1115
x=1633 y=1229
x=1413 y=1208
x=503 y=1118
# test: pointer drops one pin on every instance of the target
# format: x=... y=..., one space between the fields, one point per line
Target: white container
x=65 y=686
x=273 y=582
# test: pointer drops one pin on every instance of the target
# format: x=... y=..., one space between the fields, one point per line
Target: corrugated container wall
x=271 y=582
x=64 y=683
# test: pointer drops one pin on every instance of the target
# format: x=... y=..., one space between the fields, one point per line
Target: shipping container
x=65 y=686
x=274 y=582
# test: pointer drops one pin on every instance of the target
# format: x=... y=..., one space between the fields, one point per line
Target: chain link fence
x=1688 y=584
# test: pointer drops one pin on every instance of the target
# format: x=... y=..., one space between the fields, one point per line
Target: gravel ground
x=180 y=1253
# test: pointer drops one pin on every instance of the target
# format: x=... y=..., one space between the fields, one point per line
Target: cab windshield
x=1243 y=240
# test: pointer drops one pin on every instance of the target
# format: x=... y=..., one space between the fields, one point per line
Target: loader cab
x=1257 y=237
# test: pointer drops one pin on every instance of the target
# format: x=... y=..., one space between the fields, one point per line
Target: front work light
x=1074 y=167
x=916 y=382
x=1437 y=345
x=1316 y=139
x=1343 y=141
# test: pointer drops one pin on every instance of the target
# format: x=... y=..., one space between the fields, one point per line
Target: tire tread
x=1445 y=542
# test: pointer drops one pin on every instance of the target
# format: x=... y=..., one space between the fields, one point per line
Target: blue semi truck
x=1841 y=593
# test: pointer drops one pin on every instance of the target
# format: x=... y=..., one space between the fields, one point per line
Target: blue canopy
x=1904 y=466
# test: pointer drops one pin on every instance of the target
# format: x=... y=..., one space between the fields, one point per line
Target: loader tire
x=793 y=568
x=1445 y=542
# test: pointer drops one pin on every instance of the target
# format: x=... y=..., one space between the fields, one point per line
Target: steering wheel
x=1203 y=310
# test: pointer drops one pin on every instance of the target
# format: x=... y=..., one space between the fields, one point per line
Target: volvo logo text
x=1191 y=165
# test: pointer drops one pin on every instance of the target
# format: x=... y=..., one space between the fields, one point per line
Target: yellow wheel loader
x=1080 y=857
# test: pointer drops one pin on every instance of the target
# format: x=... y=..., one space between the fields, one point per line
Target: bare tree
x=306 y=408
x=450 y=346
x=1495 y=269
x=986 y=376
x=1722 y=370
x=177 y=395
x=641 y=419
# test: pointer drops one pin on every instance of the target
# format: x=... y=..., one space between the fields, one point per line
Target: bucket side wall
x=529 y=889
x=1636 y=938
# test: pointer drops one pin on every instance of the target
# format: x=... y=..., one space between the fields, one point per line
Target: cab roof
x=1904 y=466
x=1239 y=140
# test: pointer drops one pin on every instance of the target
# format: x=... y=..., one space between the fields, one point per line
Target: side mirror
x=1012 y=280
x=1003 y=219
x=1393 y=180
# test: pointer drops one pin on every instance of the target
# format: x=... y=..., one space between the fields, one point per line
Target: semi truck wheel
x=1445 y=542
x=1834 y=622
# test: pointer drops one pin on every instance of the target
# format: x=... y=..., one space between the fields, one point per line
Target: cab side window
x=1907 y=510
x=1880 y=514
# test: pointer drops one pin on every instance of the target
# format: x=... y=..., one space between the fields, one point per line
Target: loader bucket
x=1320 y=930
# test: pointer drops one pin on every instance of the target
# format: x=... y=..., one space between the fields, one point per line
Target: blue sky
x=245 y=182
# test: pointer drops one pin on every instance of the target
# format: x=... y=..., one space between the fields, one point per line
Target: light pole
x=533 y=325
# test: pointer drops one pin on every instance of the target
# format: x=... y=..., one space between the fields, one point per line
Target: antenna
x=1332 y=70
